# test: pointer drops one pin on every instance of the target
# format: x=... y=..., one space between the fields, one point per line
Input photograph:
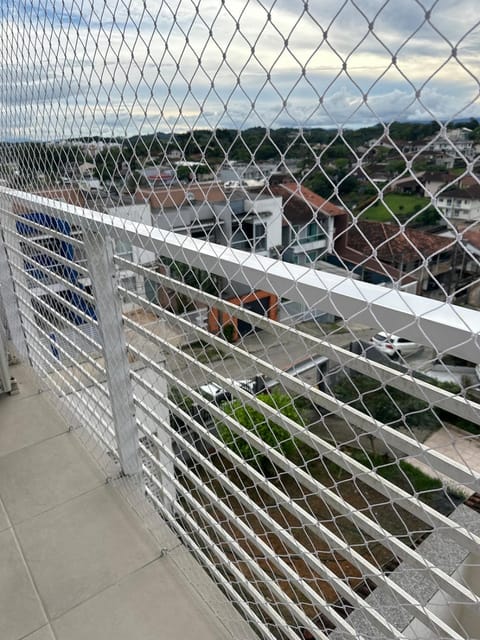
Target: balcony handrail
x=453 y=329
x=311 y=287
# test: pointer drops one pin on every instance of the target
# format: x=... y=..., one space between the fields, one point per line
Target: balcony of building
x=76 y=560
x=138 y=500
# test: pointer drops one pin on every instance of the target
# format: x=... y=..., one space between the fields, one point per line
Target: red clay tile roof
x=473 y=237
x=470 y=193
x=70 y=195
x=469 y=181
x=391 y=244
x=169 y=198
x=373 y=264
x=438 y=176
x=300 y=204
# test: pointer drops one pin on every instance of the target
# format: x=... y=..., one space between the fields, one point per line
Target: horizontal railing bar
x=454 y=328
x=398 y=441
x=370 y=477
x=258 y=597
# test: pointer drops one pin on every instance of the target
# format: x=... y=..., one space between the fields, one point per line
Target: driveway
x=456 y=444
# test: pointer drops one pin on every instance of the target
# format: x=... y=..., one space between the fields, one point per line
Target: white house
x=241 y=219
x=460 y=204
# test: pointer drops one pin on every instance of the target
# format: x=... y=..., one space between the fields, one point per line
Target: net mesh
x=242 y=244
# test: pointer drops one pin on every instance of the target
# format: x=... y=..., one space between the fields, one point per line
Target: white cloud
x=242 y=62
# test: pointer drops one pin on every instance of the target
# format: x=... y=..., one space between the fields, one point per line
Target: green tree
x=271 y=433
x=108 y=164
x=386 y=404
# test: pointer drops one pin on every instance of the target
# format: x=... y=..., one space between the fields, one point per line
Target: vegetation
x=228 y=331
x=409 y=478
x=386 y=404
x=325 y=156
x=446 y=416
x=402 y=206
x=270 y=432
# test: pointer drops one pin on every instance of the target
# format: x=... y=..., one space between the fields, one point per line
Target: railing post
x=99 y=251
x=9 y=298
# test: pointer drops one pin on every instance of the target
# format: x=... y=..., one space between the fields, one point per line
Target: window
x=123 y=249
x=260 y=236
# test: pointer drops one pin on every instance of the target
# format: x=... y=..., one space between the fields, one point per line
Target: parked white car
x=214 y=393
x=391 y=345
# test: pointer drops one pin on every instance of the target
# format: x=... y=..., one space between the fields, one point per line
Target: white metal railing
x=291 y=520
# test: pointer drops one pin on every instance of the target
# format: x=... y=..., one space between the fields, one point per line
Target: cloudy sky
x=77 y=67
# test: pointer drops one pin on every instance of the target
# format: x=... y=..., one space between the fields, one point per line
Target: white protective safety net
x=240 y=245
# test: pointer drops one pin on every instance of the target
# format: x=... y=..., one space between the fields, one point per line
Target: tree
x=108 y=164
x=386 y=404
x=271 y=433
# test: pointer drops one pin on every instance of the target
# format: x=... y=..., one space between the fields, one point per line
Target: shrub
x=270 y=432
x=386 y=404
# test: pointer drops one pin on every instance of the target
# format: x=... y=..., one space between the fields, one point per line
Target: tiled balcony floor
x=75 y=560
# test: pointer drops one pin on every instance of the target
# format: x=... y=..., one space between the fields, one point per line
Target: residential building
x=308 y=222
x=468 y=236
x=382 y=253
x=435 y=181
x=158 y=176
x=408 y=184
x=242 y=219
x=232 y=171
x=457 y=204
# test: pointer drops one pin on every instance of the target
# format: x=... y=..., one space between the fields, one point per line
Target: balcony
x=75 y=560
x=324 y=516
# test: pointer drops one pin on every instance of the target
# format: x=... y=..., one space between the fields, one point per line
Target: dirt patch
x=305 y=530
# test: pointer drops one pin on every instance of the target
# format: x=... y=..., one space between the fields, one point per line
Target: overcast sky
x=80 y=67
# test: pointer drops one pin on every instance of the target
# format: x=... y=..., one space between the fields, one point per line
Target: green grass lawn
x=401 y=205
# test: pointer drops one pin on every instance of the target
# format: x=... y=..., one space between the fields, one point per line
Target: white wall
x=273 y=221
x=136 y=213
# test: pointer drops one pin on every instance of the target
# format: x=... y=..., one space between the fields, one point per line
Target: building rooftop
x=391 y=243
x=174 y=197
x=301 y=203
x=471 y=192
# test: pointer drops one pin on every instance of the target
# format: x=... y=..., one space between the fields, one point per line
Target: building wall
x=269 y=211
x=459 y=208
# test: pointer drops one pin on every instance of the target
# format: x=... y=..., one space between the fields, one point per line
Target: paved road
x=267 y=347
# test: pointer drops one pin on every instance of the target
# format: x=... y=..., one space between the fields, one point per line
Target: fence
x=250 y=497
x=140 y=145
